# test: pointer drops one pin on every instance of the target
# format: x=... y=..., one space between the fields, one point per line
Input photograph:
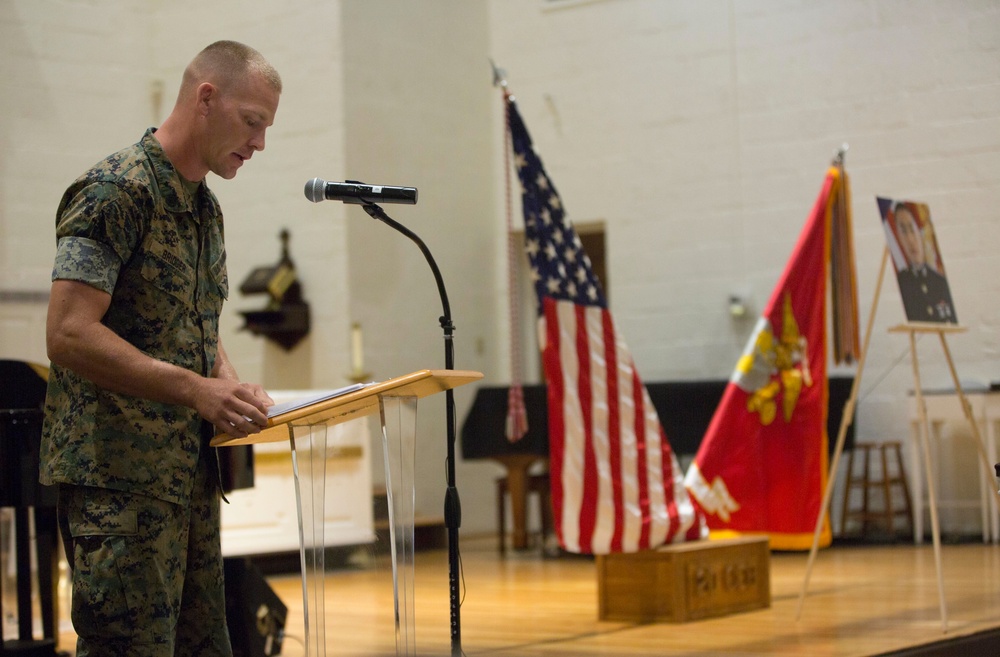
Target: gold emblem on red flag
x=785 y=364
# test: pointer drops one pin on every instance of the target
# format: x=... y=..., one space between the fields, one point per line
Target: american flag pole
x=517 y=416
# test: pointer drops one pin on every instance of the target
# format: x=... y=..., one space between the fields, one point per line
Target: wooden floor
x=863 y=600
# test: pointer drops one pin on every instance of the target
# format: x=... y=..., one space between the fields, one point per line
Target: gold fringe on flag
x=843 y=276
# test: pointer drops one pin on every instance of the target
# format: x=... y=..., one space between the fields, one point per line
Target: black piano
x=685 y=409
x=22 y=394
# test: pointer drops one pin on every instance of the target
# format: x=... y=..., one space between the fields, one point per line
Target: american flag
x=616 y=484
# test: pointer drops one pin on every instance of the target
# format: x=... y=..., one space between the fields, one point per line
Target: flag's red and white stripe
x=611 y=465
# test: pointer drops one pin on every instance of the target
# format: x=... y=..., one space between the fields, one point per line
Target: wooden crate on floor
x=684 y=582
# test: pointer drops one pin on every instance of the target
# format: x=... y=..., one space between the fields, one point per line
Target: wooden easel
x=912 y=328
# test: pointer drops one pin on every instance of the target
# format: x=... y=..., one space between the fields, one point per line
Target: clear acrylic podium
x=307 y=430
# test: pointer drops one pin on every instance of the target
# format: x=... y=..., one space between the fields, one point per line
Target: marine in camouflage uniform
x=132 y=227
x=139 y=379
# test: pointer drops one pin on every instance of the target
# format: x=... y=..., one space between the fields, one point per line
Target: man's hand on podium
x=234 y=408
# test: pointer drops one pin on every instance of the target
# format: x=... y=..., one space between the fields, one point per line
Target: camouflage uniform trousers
x=147 y=574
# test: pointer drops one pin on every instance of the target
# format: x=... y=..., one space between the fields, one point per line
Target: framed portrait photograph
x=923 y=284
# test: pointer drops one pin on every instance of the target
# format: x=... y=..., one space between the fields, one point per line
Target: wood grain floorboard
x=862 y=600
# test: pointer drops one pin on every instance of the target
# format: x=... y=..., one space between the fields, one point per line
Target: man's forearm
x=223 y=368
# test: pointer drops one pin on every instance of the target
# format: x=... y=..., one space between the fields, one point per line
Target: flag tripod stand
x=912 y=329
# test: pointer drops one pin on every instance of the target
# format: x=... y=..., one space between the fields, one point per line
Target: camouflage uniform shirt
x=132 y=227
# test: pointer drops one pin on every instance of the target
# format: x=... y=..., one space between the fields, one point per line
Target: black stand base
x=43 y=648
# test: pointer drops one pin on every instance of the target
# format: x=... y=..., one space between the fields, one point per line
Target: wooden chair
x=888 y=480
x=538 y=485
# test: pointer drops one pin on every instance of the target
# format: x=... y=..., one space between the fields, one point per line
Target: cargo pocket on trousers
x=101 y=595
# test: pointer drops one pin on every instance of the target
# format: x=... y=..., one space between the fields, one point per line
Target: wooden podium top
x=355 y=404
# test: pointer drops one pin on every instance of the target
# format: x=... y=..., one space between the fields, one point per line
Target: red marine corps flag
x=616 y=484
x=762 y=465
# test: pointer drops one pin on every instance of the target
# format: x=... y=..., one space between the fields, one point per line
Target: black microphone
x=353 y=191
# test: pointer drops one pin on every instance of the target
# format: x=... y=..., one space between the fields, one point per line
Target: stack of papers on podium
x=302 y=402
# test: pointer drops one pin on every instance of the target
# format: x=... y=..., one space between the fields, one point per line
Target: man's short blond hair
x=226 y=63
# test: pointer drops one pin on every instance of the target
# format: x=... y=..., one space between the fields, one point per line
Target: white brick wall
x=698 y=132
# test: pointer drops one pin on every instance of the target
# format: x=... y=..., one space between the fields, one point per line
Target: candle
x=357 y=354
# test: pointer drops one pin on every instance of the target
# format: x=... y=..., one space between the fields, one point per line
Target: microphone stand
x=452 y=504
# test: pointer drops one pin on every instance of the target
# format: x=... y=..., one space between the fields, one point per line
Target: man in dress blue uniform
x=926 y=297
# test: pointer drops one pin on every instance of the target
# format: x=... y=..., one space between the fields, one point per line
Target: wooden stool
x=883 y=480
x=537 y=484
